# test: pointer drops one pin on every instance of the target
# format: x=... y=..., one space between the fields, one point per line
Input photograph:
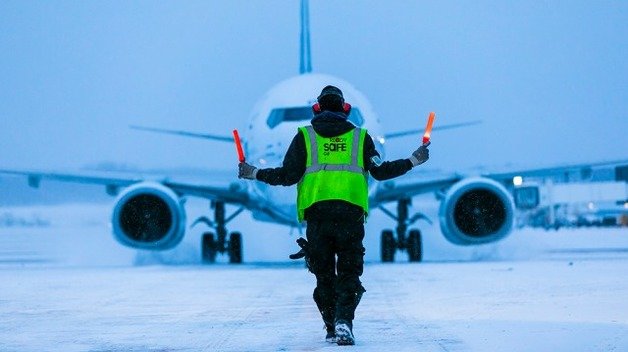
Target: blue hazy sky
x=548 y=78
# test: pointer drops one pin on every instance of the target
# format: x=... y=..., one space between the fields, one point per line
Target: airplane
x=149 y=214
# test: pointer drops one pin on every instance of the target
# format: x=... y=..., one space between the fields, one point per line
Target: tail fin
x=306 y=56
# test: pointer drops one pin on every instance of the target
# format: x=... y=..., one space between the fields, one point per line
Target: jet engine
x=148 y=215
x=476 y=211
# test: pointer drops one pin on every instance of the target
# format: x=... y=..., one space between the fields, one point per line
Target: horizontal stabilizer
x=185 y=133
x=436 y=128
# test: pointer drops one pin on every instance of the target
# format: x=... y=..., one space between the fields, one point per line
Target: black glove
x=420 y=155
x=302 y=242
x=247 y=171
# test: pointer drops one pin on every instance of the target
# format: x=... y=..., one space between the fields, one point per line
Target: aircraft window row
x=277 y=116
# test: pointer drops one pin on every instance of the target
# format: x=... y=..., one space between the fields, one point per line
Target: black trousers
x=336 y=257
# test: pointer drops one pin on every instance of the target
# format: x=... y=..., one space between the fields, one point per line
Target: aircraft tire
x=415 y=250
x=387 y=246
x=208 y=247
x=235 y=248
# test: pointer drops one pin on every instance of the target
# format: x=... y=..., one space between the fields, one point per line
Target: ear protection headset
x=346 y=108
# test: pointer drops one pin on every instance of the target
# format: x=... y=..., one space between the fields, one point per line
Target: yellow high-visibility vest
x=334 y=170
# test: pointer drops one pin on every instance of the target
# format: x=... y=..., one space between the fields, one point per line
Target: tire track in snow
x=396 y=325
x=226 y=342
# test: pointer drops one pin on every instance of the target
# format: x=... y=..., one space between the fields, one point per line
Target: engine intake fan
x=148 y=215
x=476 y=211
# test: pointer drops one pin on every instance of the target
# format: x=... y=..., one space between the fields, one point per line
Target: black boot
x=331 y=334
x=344 y=333
x=325 y=301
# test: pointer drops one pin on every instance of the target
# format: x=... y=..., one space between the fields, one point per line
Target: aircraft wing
x=227 y=192
x=214 y=137
x=414 y=184
x=583 y=169
x=398 y=134
x=407 y=187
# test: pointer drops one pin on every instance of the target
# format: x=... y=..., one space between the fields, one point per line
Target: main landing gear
x=406 y=240
x=214 y=243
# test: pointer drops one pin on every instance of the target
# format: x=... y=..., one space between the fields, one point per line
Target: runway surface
x=496 y=306
x=65 y=288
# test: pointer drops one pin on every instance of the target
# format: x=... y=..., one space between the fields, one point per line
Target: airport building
x=573 y=198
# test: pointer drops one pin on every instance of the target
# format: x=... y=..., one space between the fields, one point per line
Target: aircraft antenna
x=306 y=57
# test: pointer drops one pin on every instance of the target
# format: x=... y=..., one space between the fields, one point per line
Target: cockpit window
x=280 y=115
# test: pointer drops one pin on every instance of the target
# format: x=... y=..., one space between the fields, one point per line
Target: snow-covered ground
x=66 y=285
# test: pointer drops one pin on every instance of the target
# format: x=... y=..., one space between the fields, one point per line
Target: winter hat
x=331 y=99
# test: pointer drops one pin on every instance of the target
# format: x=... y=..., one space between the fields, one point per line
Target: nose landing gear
x=406 y=240
x=214 y=243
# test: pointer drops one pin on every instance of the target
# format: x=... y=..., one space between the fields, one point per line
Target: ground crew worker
x=330 y=160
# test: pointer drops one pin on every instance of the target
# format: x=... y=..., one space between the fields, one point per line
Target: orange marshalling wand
x=236 y=138
x=428 y=128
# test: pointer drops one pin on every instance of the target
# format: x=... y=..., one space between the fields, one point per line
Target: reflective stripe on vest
x=336 y=174
x=355 y=165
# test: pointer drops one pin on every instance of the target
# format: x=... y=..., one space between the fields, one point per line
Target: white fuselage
x=274 y=123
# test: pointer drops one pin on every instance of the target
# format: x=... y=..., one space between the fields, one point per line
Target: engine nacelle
x=148 y=215
x=476 y=211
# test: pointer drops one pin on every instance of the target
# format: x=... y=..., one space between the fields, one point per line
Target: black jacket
x=330 y=124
